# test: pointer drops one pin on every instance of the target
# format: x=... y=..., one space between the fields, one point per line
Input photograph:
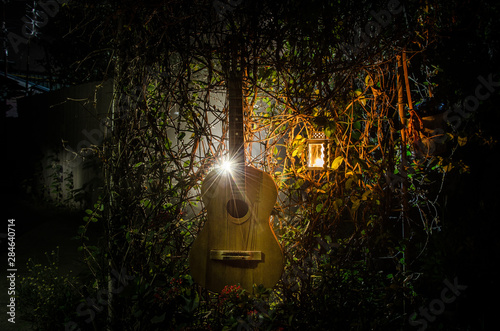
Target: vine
x=350 y=234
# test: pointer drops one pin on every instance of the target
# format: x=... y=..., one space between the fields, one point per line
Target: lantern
x=318 y=151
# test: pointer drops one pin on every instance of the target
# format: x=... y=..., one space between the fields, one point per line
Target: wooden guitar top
x=237 y=247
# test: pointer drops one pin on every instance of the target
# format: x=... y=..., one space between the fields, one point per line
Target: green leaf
x=462 y=141
x=338 y=203
x=190 y=303
x=348 y=183
x=158 y=319
x=355 y=203
x=81 y=229
x=361 y=99
x=146 y=203
x=329 y=131
x=337 y=162
x=368 y=81
x=93 y=248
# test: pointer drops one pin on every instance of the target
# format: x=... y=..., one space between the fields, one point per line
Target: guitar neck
x=236 y=137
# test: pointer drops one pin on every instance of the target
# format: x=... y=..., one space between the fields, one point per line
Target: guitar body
x=237 y=244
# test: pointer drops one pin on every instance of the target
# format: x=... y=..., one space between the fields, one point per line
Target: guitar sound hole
x=237 y=208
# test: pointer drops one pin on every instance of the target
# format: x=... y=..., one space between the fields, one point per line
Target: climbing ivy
x=351 y=234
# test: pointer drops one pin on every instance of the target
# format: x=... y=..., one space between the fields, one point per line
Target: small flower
x=252 y=312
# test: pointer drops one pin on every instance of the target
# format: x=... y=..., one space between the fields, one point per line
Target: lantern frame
x=318 y=151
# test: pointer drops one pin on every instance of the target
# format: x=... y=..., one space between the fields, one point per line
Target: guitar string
x=246 y=232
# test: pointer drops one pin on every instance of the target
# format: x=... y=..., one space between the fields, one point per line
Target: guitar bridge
x=227 y=255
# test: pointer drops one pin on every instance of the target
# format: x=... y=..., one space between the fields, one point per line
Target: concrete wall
x=60 y=126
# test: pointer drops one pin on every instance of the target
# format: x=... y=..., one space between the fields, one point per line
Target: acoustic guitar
x=237 y=244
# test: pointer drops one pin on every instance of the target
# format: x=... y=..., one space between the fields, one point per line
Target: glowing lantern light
x=318 y=151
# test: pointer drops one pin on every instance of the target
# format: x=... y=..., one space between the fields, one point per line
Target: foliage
x=352 y=235
x=48 y=298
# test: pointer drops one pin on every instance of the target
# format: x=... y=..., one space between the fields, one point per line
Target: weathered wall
x=62 y=124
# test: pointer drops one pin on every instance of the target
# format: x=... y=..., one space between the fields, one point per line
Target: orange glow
x=316 y=155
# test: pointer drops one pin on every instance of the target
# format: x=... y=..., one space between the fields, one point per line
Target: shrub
x=47 y=298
